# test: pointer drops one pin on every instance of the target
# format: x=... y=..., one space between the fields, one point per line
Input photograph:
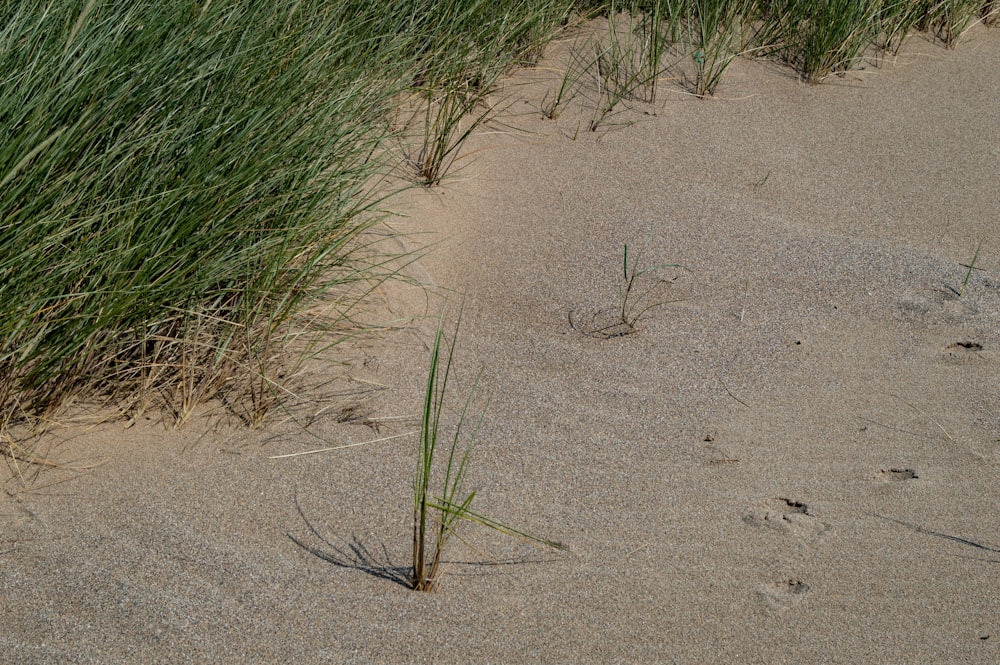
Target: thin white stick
x=349 y=445
x=746 y=299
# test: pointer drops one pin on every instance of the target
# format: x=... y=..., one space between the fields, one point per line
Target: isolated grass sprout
x=972 y=266
x=633 y=303
x=439 y=507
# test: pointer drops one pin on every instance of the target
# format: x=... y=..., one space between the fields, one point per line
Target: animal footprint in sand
x=965 y=351
x=783 y=594
x=894 y=474
x=788 y=516
x=966 y=345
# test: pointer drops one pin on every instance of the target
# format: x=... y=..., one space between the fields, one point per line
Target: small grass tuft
x=714 y=36
x=633 y=304
x=447 y=501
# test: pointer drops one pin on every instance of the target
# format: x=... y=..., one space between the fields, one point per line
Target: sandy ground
x=796 y=460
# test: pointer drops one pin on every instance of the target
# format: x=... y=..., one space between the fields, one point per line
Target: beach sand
x=795 y=458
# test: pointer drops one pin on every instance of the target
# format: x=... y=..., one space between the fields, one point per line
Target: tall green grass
x=627 y=60
x=714 y=35
x=826 y=36
x=472 y=44
x=440 y=504
x=180 y=181
x=815 y=37
x=822 y=37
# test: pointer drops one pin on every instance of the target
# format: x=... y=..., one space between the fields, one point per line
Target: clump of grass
x=714 y=36
x=628 y=61
x=439 y=507
x=894 y=22
x=989 y=14
x=656 y=27
x=178 y=181
x=617 y=76
x=453 y=86
x=952 y=18
x=821 y=38
x=552 y=108
x=182 y=180
x=450 y=116
x=476 y=42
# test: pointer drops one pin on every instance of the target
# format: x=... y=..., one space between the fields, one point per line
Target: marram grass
x=440 y=500
x=180 y=180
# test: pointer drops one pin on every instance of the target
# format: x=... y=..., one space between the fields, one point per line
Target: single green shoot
x=972 y=266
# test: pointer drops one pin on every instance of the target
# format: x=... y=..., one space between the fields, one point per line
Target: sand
x=796 y=459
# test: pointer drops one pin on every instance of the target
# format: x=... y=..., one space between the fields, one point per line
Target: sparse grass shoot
x=633 y=302
x=972 y=266
x=438 y=507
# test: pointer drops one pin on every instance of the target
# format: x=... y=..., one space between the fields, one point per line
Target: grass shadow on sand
x=353 y=554
x=938 y=534
x=377 y=560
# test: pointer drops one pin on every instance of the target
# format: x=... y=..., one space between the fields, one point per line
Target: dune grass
x=817 y=38
x=180 y=182
x=828 y=36
x=971 y=267
x=714 y=35
x=473 y=44
x=438 y=507
x=625 y=61
x=174 y=191
x=633 y=303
